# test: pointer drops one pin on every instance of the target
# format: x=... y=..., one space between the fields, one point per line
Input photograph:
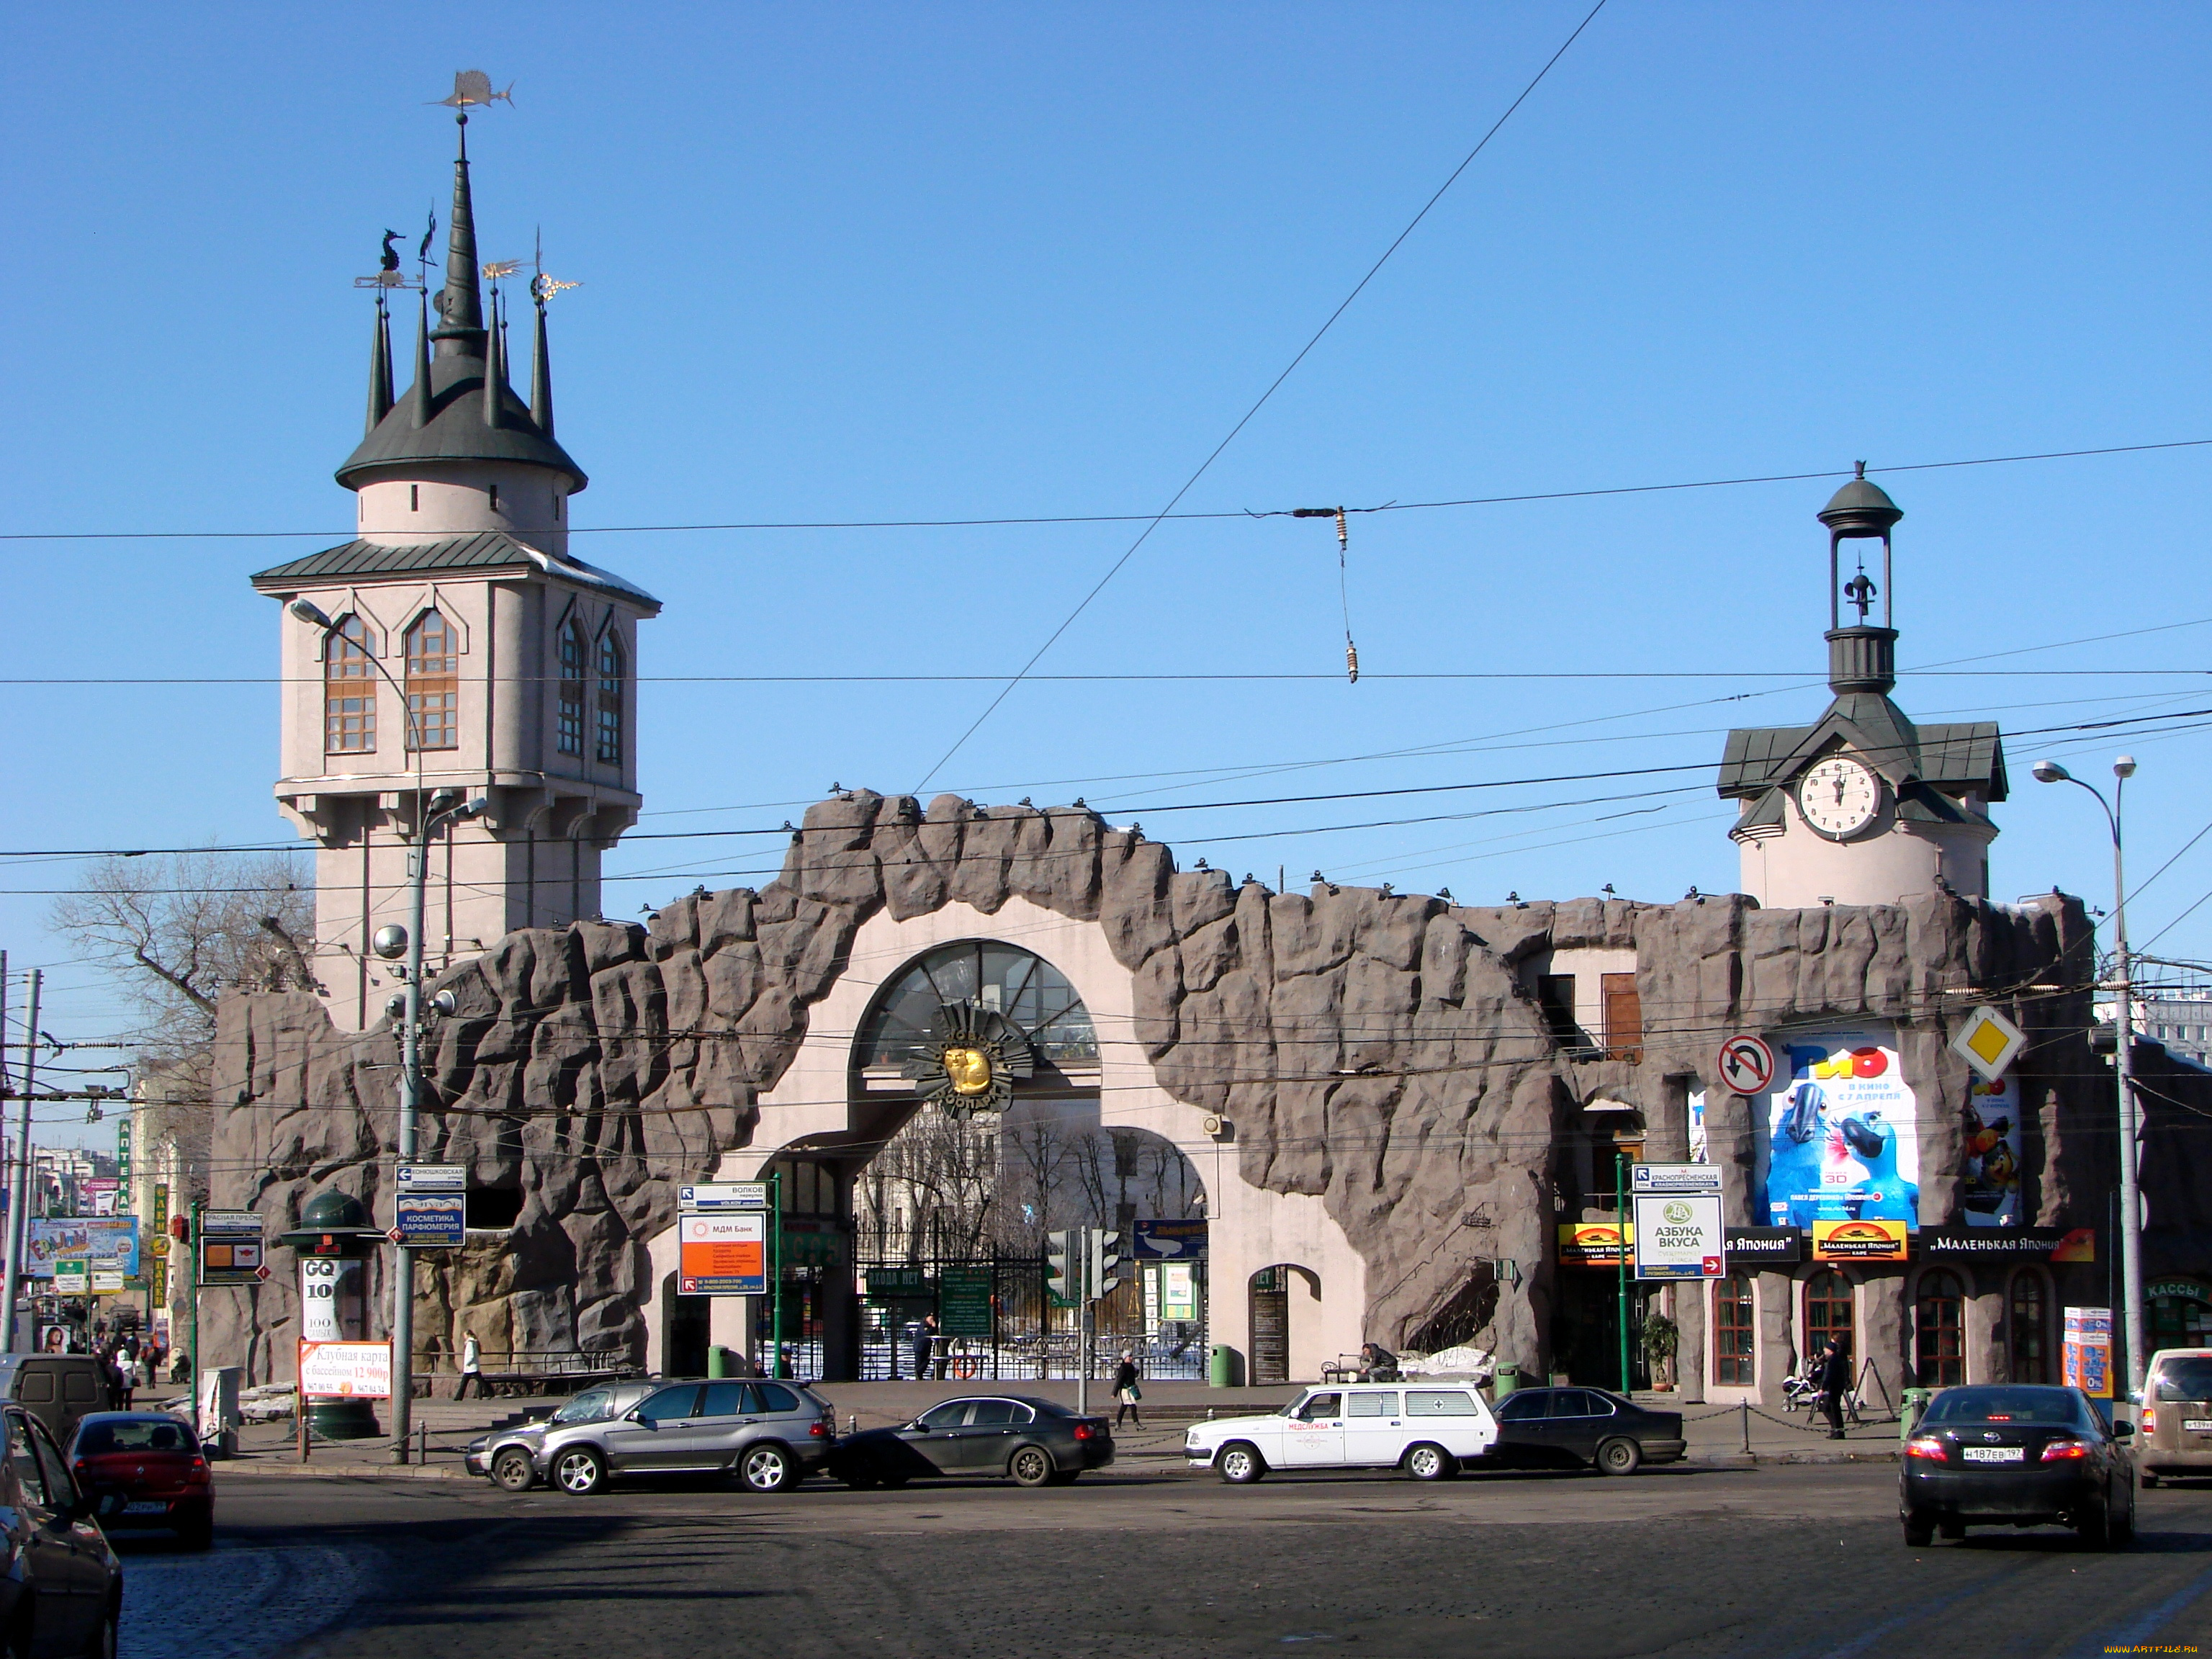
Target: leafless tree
x=944 y=1172
x=1036 y=1160
x=177 y=931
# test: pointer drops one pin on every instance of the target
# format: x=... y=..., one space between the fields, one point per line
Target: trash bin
x=1505 y=1381
x=718 y=1362
x=1221 y=1367
x=1913 y=1403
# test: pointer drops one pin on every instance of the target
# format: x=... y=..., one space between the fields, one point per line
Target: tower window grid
x=611 y=699
x=434 y=685
x=570 y=721
x=349 y=690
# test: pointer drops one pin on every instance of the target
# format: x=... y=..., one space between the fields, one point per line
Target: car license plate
x=1996 y=1453
x=2197 y=1424
x=146 y=1507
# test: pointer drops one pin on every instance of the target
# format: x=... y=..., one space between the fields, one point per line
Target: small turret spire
x=460 y=326
x=495 y=382
x=379 y=367
x=419 y=407
x=541 y=370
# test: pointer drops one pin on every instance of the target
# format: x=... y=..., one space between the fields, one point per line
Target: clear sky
x=854 y=263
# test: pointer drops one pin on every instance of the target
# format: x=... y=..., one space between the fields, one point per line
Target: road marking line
x=2133 y=1630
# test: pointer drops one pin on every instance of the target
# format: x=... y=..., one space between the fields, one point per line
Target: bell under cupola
x=1863 y=806
x=455 y=645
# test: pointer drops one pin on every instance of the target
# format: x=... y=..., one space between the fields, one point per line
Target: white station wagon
x=1427 y=1429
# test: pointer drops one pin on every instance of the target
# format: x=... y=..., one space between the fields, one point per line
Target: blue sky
x=858 y=263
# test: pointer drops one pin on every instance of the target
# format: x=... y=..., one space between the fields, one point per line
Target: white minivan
x=1429 y=1429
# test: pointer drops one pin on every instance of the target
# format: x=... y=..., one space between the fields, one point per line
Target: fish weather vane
x=472 y=90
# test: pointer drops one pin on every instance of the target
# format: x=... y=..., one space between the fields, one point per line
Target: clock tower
x=1863 y=806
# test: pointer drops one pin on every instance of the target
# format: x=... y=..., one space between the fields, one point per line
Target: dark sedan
x=151 y=1463
x=1036 y=1441
x=1578 y=1428
x=1991 y=1454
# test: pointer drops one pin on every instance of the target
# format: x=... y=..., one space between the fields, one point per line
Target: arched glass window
x=1828 y=1310
x=611 y=699
x=2026 y=1329
x=1023 y=987
x=1939 y=1335
x=433 y=684
x=569 y=722
x=349 y=689
x=1735 y=1334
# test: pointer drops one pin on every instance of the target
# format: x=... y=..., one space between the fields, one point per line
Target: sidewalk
x=1718 y=1436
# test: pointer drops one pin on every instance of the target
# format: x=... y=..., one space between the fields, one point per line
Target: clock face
x=1838 y=797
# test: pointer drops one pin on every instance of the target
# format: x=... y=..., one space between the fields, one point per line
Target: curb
x=353 y=1471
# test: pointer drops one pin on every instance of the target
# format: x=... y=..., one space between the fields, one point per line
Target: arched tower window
x=349 y=689
x=611 y=699
x=433 y=684
x=570 y=720
x=1032 y=994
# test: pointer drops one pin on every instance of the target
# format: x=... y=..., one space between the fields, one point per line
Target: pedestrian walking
x=1126 y=1391
x=925 y=1345
x=1834 y=1381
x=471 y=1366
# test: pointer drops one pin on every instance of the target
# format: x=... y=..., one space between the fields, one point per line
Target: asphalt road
x=1773 y=1563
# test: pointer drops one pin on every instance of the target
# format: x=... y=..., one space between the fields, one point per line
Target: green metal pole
x=1621 y=1212
x=775 y=1253
x=193 y=1257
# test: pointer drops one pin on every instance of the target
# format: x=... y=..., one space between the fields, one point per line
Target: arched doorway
x=1284 y=1298
x=684 y=1331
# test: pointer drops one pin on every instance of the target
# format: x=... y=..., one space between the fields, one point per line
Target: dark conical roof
x=1861 y=507
x=454 y=422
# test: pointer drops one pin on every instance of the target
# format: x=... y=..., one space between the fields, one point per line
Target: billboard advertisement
x=1990 y=1195
x=346 y=1370
x=1679 y=1235
x=2086 y=1351
x=1842 y=1140
x=110 y=1243
x=1860 y=1241
x=723 y=1253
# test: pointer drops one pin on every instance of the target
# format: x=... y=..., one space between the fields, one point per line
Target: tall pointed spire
x=419 y=400
x=460 y=303
x=494 y=381
x=541 y=372
x=379 y=367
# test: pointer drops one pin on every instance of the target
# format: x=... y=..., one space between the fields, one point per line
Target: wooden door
x=1624 y=1018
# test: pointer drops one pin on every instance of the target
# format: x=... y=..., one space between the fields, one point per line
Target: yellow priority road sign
x=1989 y=1043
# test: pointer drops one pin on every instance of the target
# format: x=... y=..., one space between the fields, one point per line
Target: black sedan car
x=1578 y=1428
x=1036 y=1442
x=2005 y=1455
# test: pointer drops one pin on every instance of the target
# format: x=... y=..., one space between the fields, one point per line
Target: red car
x=153 y=1462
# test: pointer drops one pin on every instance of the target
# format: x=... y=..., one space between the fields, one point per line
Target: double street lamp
x=436 y=812
x=2049 y=771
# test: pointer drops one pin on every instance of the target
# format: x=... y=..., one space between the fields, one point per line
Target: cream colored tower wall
x=1249 y=1228
x=460 y=498
x=1798 y=868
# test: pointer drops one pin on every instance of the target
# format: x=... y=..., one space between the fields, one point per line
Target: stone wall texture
x=1381 y=1050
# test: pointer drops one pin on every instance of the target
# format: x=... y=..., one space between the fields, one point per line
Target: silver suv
x=771 y=1434
x=510 y=1455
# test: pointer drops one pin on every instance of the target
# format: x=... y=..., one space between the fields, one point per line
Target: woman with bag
x=1126 y=1391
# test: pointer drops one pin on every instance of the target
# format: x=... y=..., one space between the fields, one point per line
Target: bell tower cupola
x=1863 y=806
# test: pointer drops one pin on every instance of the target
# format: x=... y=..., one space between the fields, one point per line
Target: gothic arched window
x=610 y=698
x=349 y=689
x=433 y=684
x=569 y=725
x=1022 y=986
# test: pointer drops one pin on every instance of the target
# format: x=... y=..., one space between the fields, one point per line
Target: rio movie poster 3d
x=1842 y=1140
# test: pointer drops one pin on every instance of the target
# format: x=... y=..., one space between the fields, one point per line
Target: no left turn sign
x=1746 y=1064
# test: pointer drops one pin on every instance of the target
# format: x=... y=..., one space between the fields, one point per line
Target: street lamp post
x=440 y=811
x=2049 y=771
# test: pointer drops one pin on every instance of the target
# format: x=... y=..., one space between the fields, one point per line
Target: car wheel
x=2150 y=1481
x=579 y=1471
x=766 y=1468
x=2095 y=1528
x=513 y=1471
x=100 y=1645
x=1240 y=1464
x=1619 y=1457
x=1431 y=1463
x=1919 y=1531
x=859 y=1477
x=1030 y=1466
x=2123 y=1527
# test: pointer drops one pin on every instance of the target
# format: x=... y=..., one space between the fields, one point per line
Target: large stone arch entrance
x=834 y=1106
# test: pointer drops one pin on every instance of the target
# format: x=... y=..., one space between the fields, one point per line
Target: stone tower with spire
x=467 y=651
x=1863 y=806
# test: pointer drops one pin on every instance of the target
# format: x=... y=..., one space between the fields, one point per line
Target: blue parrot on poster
x=1885 y=1194
x=1793 y=1165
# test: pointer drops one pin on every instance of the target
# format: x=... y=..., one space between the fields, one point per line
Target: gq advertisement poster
x=1842 y=1141
x=1990 y=1194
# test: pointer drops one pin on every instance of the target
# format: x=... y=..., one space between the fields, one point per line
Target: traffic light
x=1105 y=1259
x=1059 y=1268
